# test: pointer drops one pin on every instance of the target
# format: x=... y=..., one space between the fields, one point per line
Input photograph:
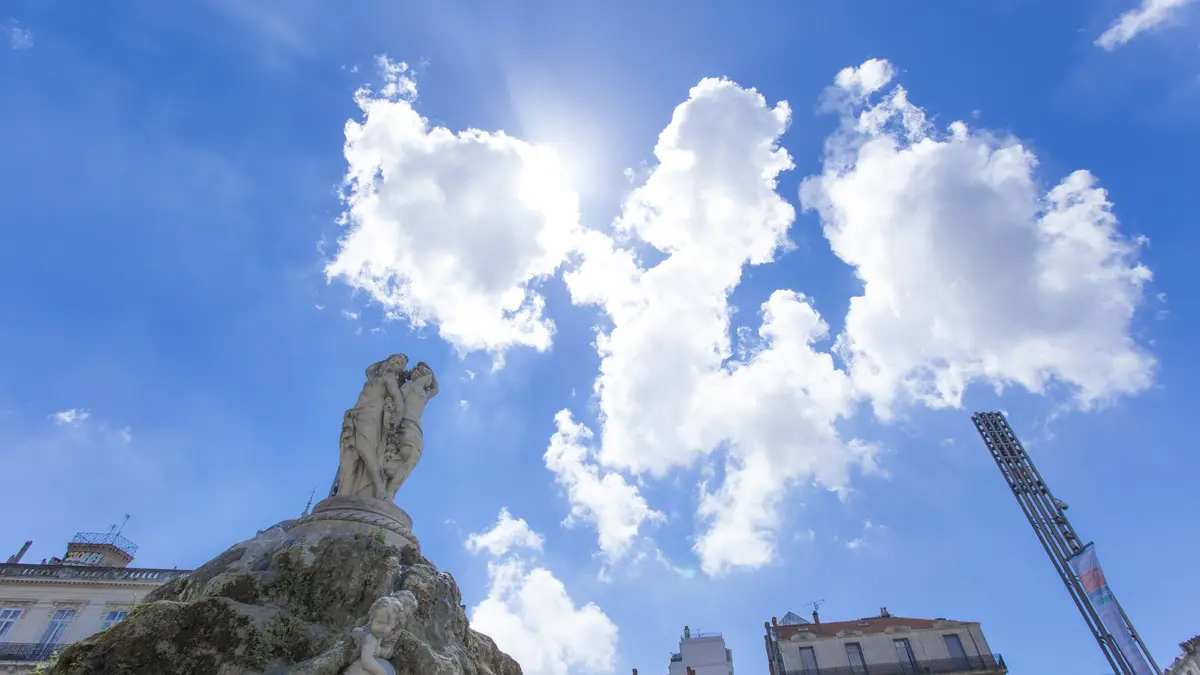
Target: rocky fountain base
x=289 y=601
x=342 y=591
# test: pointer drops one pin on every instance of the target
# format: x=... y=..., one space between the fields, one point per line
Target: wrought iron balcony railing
x=88 y=573
x=986 y=663
x=27 y=651
x=110 y=538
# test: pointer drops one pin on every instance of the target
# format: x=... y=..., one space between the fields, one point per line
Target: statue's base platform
x=359 y=515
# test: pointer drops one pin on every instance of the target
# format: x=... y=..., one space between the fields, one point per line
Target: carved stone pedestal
x=359 y=515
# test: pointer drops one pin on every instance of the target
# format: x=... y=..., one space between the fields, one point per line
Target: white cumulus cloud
x=506 y=535
x=530 y=615
x=970 y=272
x=866 y=79
x=670 y=389
x=452 y=228
x=1146 y=16
x=71 y=417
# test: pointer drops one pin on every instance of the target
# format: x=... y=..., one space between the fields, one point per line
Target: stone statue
x=377 y=640
x=381 y=439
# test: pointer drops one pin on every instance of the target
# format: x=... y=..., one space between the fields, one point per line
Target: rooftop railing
x=110 y=538
x=18 y=570
x=986 y=663
x=27 y=652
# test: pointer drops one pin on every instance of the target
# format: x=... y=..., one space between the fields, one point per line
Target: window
x=908 y=662
x=58 y=625
x=808 y=660
x=858 y=665
x=88 y=558
x=113 y=617
x=8 y=619
x=958 y=655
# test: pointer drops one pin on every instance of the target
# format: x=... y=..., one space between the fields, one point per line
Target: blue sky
x=769 y=387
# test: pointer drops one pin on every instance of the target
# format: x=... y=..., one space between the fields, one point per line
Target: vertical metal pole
x=1042 y=511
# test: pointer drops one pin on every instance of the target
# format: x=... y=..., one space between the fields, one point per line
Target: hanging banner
x=1086 y=566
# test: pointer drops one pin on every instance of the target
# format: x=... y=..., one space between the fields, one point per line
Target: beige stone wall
x=91 y=600
x=878 y=648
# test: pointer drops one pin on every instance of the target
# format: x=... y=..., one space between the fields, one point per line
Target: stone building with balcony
x=878 y=645
x=48 y=605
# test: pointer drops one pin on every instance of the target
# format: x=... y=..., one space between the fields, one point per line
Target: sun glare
x=547 y=185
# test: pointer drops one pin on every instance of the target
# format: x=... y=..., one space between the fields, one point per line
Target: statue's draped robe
x=364 y=430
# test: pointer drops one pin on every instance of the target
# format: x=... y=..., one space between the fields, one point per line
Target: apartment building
x=701 y=654
x=878 y=645
x=54 y=603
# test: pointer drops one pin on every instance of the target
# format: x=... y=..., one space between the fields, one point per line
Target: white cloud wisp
x=1150 y=14
x=18 y=37
x=72 y=417
x=602 y=498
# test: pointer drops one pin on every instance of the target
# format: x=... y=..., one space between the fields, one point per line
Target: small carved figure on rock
x=377 y=640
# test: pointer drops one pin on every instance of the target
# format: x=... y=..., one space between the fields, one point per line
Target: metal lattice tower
x=1048 y=517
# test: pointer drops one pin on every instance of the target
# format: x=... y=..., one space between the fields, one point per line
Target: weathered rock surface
x=279 y=604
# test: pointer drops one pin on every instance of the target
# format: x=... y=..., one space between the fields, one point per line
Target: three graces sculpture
x=381 y=439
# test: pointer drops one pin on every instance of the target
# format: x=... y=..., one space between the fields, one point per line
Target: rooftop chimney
x=817 y=619
x=635 y=671
x=16 y=557
x=691 y=671
x=883 y=612
x=687 y=633
x=774 y=622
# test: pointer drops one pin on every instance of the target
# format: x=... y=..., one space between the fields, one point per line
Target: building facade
x=46 y=606
x=878 y=645
x=701 y=654
x=1188 y=663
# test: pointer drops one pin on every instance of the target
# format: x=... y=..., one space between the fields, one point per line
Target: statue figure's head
x=391 y=612
x=394 y=364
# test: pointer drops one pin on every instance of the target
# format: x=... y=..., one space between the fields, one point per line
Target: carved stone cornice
x=23 y=603
x=69 y=604
x=86 y=575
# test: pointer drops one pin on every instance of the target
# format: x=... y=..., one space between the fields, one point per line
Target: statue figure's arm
x=366 y=658
x=393 y=387
x=432 y=389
